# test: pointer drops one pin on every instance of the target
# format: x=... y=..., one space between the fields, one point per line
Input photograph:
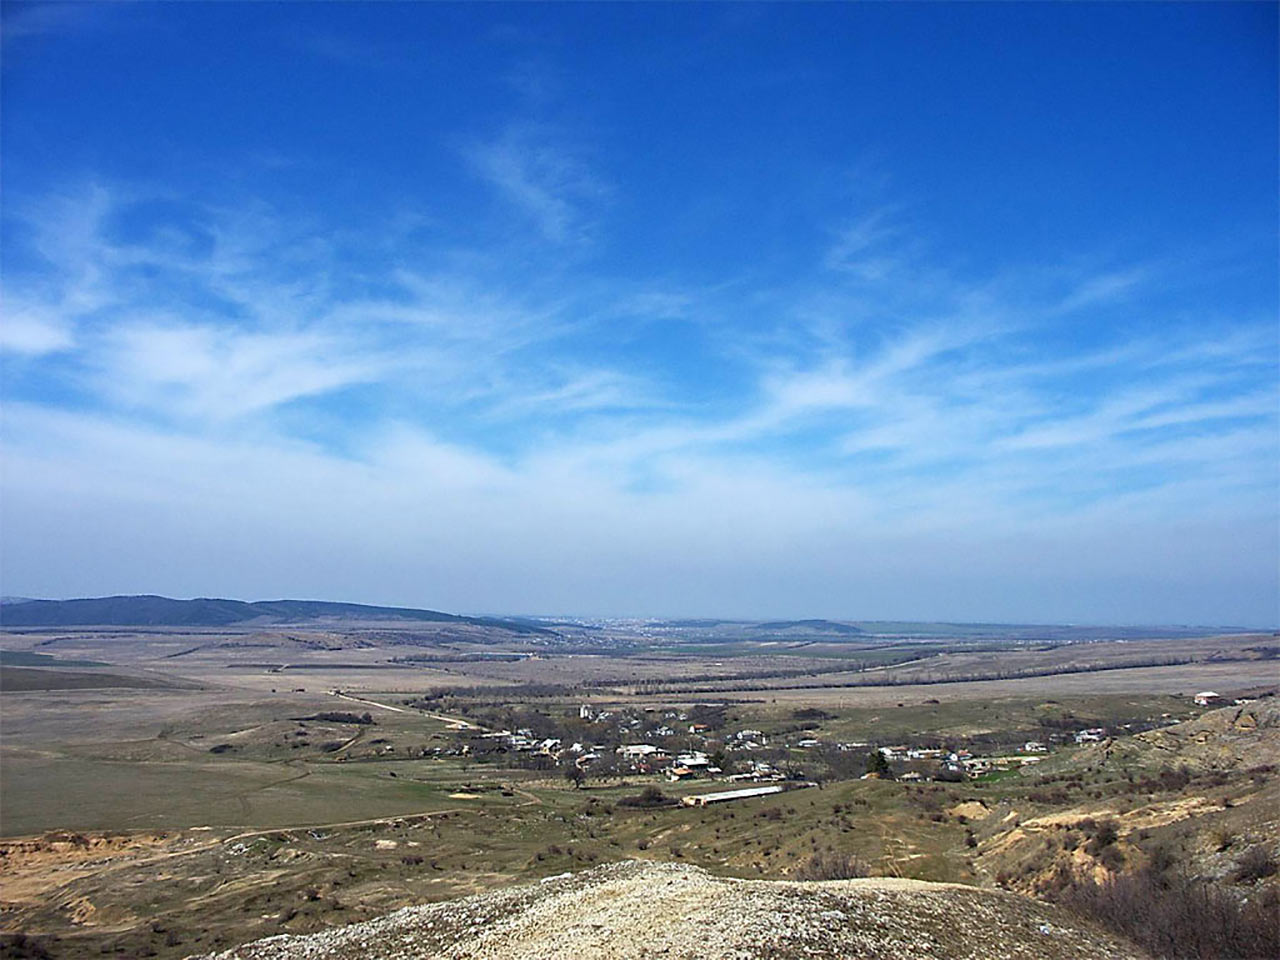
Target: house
x=640 y=751
x=1034 y=746
x=696 y=760
x=1092 y=735
x=1208 y=698
x=921 y=753
x=808 y=743
x=585 y=712
x=759 y=771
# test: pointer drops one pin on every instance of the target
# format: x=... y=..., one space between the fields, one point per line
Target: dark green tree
x=876 y=763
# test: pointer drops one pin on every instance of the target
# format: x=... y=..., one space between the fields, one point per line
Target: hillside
x=153 y=611
x=1198 y=800
x=1227 y=739
x=644 y=909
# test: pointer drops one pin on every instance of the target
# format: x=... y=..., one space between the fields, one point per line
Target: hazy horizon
x=944 y=312
x=659 y=618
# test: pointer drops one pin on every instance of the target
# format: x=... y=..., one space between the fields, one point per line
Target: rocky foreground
x=657 y=910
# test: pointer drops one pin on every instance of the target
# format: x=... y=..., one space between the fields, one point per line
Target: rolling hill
x=154 y=611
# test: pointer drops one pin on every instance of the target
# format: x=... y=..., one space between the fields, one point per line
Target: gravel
x=641 y=909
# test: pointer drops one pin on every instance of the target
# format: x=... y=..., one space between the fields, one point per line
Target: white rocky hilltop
x=641 y=909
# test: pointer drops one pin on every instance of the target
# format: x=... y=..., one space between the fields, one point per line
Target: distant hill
x=815 y=626
x=152 y=611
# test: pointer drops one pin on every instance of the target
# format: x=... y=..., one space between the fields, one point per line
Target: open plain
x=168 y=791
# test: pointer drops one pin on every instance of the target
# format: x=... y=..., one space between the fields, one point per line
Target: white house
x=638 y=751
x=694 y=761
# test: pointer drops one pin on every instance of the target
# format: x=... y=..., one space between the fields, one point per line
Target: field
x=169 y=791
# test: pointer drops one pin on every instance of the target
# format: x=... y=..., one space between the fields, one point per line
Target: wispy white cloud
x=476 y=415
x=1104 y=288
x=213 y=372
x=31 y=330
x=547 y=180
x=869 y=247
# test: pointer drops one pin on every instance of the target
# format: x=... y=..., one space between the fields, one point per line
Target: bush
x=649 y=797
x=812 y=713
x=1175 y=916
x=334 y=716
x=1256 y=864
x=22 y=947
x=832 y=866
x=1111 y=857
x=1104 y=835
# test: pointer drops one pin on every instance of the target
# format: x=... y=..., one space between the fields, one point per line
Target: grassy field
x=19 y=679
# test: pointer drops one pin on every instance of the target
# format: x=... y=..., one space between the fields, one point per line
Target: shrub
x=1256 y=864
x=1104 y=835
x=334 y=716
x=649 y=797
x=832 y=866
x=19 y=945
x=1175 y=916
x=1112 y=857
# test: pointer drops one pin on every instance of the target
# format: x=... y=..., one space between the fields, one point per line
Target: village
x=700 y=744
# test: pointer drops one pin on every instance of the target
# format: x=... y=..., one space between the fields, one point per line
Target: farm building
x=701 y=800
x=745 y=794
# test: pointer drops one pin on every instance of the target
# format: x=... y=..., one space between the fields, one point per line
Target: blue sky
x=962 y=311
